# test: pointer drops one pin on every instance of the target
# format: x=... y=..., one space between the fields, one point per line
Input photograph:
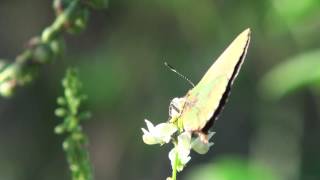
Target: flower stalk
x=75 y=142
x=72 y=17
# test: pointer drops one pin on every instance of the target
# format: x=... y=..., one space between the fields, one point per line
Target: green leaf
x=293 y=74
x=231 y=168
x=297 y=11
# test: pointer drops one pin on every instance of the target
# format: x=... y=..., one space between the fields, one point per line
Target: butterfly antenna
x=175 y=71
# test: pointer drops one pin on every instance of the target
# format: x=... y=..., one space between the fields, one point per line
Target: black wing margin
x=227 y=91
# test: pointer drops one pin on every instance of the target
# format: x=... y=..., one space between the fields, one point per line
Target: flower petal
x=201 y=147
x=149 y=139
x=184 y=143
x=149 y=125
x=144 y=131
x=179 y=155
x=158 y=134
x=177 y=159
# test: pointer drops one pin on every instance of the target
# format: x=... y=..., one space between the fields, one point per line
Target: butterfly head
x=175 y=108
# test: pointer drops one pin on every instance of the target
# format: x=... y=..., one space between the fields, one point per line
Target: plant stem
x=48 y=46
x=174 y=168
x=58 y=25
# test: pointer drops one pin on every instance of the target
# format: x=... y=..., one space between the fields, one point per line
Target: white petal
x=166 y=128
x=144 y=131
x=179 y=155
x=210 y=135
x=149 y=125
x=172 y=157
x=184 y=144
x=148 y=139
x=158 y=134
x=165 y=131
x=183 y=161
x=178 y=160
x=200 y=147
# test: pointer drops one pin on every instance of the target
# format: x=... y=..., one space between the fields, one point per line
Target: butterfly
x=200 y=107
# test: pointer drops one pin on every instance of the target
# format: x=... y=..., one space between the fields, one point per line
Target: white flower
x=179 y=155
x=184 y=144
x=201 y=147
x=158 y=134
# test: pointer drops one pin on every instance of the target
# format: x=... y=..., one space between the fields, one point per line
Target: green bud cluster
x=72 y=16
x=75 y=141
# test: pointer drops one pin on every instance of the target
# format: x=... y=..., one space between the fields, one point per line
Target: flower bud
x=42 y=54
x=78 y=22
x=7 y=88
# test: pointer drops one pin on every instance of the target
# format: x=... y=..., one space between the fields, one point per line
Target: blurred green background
x=269 y=129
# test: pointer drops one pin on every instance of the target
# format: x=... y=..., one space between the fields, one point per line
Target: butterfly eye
x=175 y=107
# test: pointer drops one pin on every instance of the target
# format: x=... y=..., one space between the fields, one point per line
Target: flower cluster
x=183 y=142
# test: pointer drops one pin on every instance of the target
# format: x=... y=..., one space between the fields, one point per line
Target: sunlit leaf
x=295 y=73
x=231 y=168
x=293 y=12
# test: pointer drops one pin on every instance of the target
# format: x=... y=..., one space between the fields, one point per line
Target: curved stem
x=57 y=25
x=39 y=51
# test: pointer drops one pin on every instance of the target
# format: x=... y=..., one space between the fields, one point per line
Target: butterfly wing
x=205 y=101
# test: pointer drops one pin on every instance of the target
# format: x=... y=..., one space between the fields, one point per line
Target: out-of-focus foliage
x=296 y=17
x=296 y=12
x=231 y=168
x=98 y=4
x=120 y=56
x=71 y=16
x=295 y=73
x=105 y=73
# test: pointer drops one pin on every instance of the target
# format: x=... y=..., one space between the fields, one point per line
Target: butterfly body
x=200 y=107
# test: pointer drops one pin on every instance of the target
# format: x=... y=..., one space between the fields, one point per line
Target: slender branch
x=58 y=25
x=72 y=17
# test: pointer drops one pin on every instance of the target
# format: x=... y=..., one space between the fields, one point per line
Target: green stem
x=57 y=25
x=39 y=52
x=174 y=168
